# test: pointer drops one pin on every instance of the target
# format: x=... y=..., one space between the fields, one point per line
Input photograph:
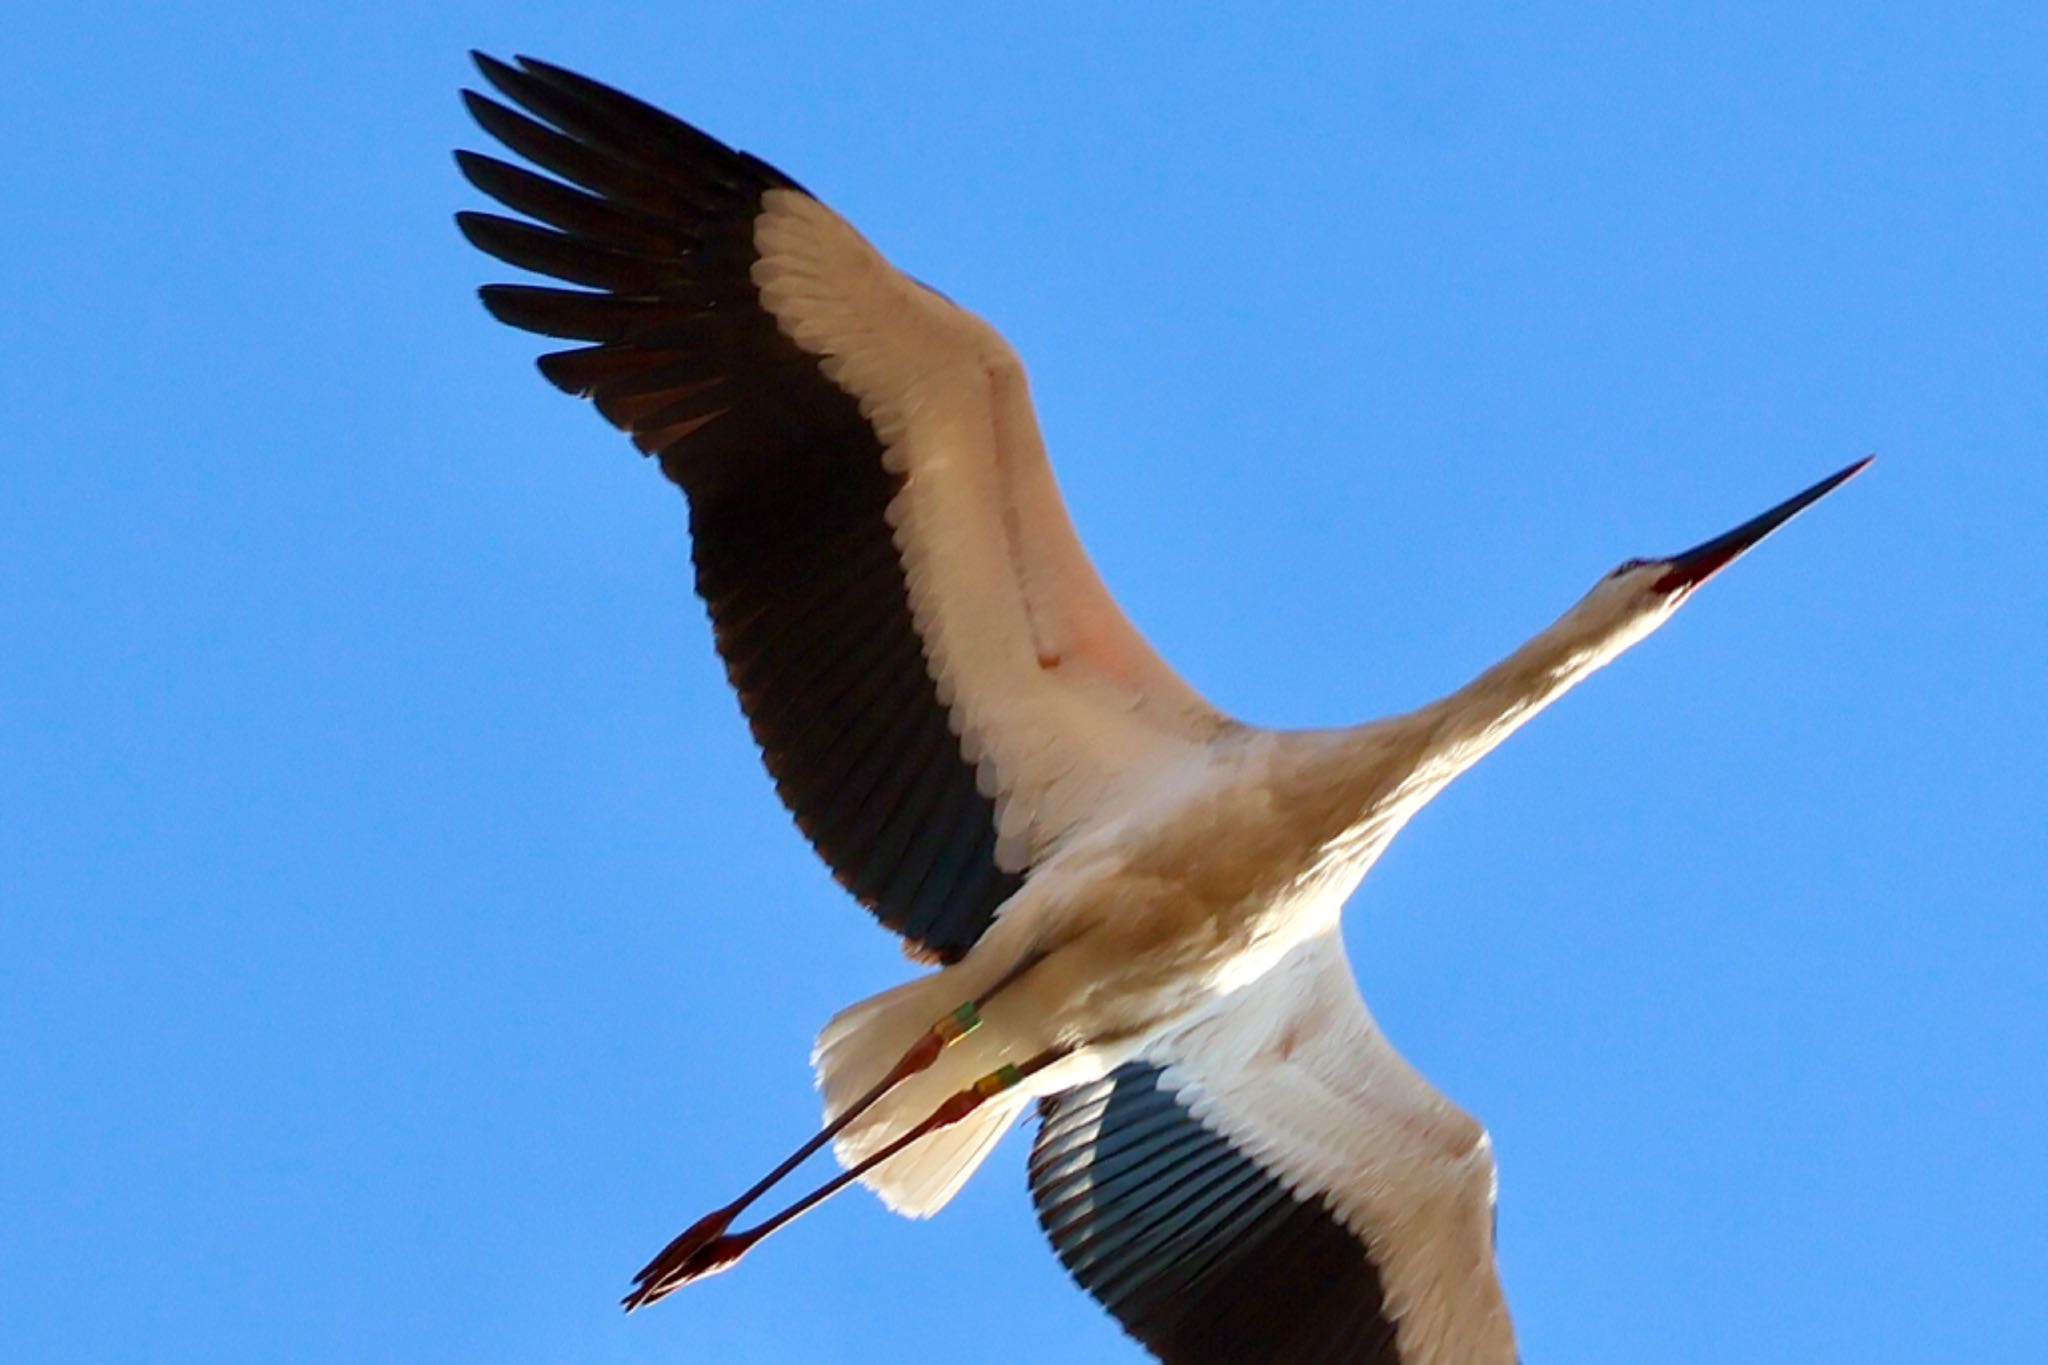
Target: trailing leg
x=722 y=1250
x=658 y=1276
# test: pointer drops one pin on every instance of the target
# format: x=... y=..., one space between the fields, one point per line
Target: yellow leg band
x=997 y=1081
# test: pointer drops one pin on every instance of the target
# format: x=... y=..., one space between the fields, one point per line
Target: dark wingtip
x=495 y=302
x=480 y=170
x=479 y=105
x=470 y=224
x=570 y=82
x=490 y=66
x=551 y=370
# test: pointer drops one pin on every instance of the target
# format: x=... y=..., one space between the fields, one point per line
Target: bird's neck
x=1352 y=790
x=1378 y=775
x=1454 y=733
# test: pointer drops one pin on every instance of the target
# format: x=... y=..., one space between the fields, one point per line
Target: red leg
x=921 y=1054
x=719 y=1250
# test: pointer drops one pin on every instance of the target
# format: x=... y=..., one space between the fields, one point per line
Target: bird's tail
x=857 y=1049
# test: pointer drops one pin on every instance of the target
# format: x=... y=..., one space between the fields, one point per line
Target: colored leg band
x=997 y=1081
x=957 y=1025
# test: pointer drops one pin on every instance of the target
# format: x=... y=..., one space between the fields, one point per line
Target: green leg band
x=957 y=1025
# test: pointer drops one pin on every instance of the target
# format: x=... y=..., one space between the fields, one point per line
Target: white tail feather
x=857 y=1049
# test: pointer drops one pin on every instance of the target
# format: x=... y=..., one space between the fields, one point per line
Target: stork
x=1132 y=900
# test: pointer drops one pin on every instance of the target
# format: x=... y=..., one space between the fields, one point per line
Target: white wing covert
x=940 y=684
x=1273 y=1182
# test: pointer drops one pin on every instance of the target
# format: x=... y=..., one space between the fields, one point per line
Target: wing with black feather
x=1271 y=1182
x=940 y=684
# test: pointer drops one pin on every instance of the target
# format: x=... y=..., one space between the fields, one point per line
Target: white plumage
x=1060 y=704
x=1136 y=899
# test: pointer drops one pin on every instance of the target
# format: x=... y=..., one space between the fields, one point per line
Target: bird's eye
x=1626 y=565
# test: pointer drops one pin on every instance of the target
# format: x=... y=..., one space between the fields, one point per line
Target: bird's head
x=1638 y=596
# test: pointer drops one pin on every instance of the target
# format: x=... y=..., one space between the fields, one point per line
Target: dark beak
x=1687 y=571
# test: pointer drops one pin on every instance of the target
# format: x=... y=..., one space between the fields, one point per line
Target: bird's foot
x=668 y=1270
x=721 y=1253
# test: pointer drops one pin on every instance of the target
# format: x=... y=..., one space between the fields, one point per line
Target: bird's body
x=1134 y=898
x=1203 y=881
x=1199 y=889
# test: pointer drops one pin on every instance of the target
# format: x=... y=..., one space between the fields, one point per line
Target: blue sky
x=398 y=941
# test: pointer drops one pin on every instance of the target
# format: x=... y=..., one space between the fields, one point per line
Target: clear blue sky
x=399 y=941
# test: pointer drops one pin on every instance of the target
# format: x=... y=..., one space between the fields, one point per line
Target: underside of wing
x=1271 y=1182
x=939 y=683
x=1201 y=1252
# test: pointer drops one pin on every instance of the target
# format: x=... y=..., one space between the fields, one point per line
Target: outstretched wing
x=940 y=684
x=1273 y=1182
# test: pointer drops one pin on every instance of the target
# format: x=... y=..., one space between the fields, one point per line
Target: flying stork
x=1132 y=900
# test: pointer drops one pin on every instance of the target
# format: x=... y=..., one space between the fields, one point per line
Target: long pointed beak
x=1694 y=567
